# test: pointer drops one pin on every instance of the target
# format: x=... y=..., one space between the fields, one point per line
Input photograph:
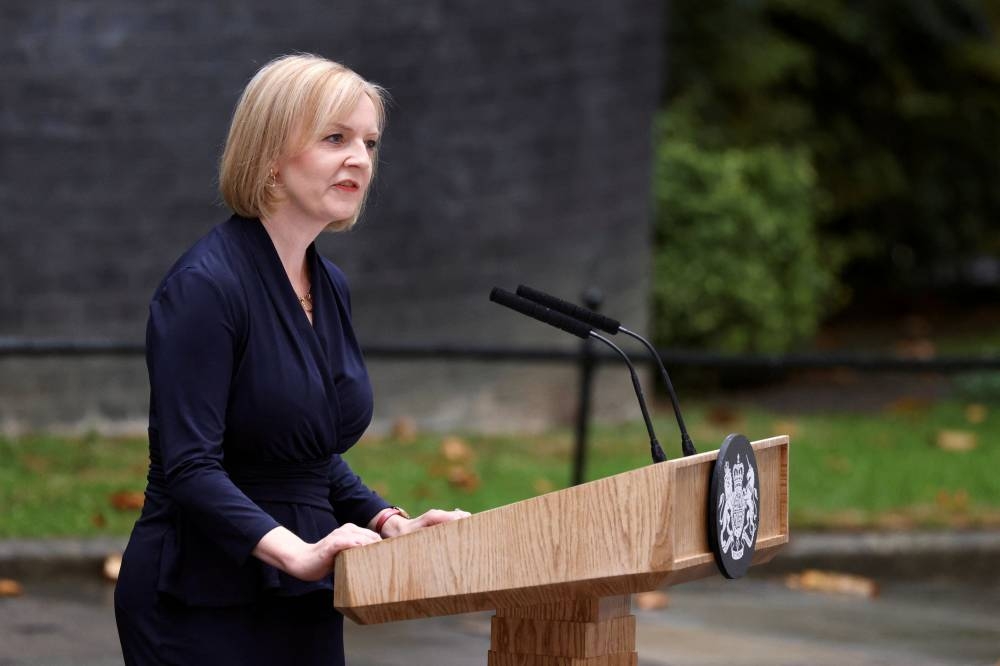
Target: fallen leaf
x=404 y=429
x=543 y=486
x=957 y=501
x=127 y=500
x=956 y=440
x=10 y=588
x=651 y=600
x=464 y=478
x=98 y=520
x=831 y=582
x=975 y=413
x=455 y=450
x=112 y=565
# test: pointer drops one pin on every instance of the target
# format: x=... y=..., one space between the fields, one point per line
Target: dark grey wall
x=518 y=149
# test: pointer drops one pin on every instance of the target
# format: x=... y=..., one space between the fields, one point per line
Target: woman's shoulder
x=213 y=262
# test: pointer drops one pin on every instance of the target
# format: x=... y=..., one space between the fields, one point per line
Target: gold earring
x=272 y=181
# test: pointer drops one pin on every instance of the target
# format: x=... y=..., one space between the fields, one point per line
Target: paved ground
x=752 y=621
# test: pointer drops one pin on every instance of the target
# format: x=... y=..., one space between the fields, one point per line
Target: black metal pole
x=592 y=298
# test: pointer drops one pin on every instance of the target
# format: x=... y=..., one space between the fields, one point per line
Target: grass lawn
x=847 y=470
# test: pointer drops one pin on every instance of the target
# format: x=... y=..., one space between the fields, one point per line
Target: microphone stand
x=612 y=326
x=654 y=446
x=581 y=330
x=687 y=446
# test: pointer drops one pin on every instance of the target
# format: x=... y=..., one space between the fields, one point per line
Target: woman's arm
x=309 y=561
x=191 y=346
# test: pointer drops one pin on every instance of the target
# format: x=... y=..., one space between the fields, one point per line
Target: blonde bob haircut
x=289 y=103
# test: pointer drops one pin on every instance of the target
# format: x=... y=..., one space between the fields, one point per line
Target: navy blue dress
x=250 y=409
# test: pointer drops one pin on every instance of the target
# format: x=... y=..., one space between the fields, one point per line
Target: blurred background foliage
x=812 y=154
x=739 y=223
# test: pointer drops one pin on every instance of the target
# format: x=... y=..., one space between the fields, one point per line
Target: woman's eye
x=372 y=144
x=336 y=139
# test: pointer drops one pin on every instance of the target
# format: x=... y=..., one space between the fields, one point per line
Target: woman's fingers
x=359 y=535
x=437 y=516
x=350 y=535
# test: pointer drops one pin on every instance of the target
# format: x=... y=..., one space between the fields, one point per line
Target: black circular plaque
x=734 y=506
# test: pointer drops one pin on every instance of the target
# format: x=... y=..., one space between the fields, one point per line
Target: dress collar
x=279 y=289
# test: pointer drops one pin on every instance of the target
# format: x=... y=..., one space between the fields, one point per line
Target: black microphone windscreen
x=585 y=315
x=541 y=313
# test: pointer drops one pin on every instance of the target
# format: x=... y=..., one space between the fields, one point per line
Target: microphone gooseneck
x=613 y=326
x=687 y=446
x=580 y=329
x=654 y=444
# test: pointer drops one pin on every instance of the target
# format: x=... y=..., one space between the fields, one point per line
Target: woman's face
x=327 y=181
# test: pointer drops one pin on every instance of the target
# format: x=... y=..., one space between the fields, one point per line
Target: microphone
x=581 y=330
x=541 y=313
x=613 y=326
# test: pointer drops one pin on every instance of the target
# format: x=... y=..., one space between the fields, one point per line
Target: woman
x=257 y=385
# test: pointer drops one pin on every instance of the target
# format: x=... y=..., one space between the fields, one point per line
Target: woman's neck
x=291 y=239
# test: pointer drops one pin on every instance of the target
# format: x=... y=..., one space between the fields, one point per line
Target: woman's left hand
x=397 y=525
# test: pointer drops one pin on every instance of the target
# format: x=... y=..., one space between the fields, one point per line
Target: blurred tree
x=737 y=265
x=897 y=102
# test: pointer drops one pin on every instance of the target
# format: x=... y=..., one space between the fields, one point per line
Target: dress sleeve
x=190 y=349
x=352 y=500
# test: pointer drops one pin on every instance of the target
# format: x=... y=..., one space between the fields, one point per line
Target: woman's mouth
x=347 y=186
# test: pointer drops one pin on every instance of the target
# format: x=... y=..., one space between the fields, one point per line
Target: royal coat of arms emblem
x=738 y=509
x=734 y=500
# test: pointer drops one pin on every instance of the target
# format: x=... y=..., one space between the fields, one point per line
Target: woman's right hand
x=318 y=560
x=310 y=561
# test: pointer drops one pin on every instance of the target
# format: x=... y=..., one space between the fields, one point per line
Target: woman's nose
x=358 y=155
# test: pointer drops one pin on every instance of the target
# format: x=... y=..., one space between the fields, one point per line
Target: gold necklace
x=307 y=301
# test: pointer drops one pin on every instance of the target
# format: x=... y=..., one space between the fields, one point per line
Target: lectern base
x=582 y=632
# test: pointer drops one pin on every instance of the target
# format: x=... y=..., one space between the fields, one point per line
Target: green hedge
x=737 y=265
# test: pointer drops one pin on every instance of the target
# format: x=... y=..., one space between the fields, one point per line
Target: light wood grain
x=563 y=639
x=574 y=610
x=586 y=631
x=495 y=659
x=626 y=533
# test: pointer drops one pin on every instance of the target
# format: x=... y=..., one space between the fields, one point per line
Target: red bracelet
x=386 y=515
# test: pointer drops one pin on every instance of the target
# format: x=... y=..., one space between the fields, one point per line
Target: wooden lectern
x=559 y=568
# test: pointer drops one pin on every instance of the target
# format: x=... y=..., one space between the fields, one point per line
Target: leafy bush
x=898 y=102
x=737 y=265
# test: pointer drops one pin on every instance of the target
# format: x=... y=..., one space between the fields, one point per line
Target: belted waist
x=292 y=482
